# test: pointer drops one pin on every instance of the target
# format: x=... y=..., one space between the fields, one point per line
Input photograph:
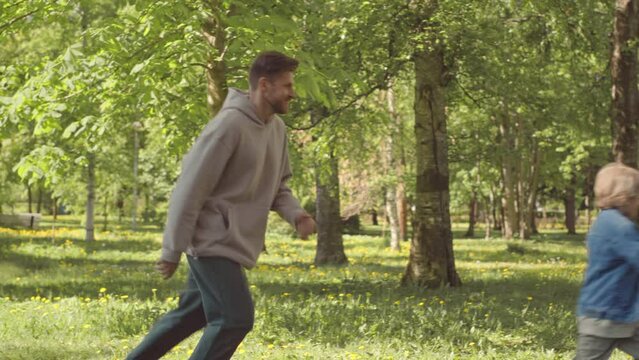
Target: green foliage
x=76 y=79
x=548 y=74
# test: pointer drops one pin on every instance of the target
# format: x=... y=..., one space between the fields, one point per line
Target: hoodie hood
x=239 y=100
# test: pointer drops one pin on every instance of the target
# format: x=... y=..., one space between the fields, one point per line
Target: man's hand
x=166 y=268
x=305 y=226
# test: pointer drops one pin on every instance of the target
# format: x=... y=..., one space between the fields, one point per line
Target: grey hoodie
x=233 y=175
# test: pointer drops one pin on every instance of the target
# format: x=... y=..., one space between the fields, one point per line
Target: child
x=608 y=306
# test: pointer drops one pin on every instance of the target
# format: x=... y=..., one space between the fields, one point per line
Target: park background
x=446 y=148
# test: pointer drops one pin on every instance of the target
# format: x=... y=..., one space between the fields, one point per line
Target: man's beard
x=279 y=107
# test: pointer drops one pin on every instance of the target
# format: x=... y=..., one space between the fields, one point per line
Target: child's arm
x=626 y=244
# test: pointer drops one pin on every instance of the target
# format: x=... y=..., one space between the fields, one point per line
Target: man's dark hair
x=269 y=64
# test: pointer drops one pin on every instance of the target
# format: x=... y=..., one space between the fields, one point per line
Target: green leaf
x=137 y=68
x=147 y=29
x=72 y=128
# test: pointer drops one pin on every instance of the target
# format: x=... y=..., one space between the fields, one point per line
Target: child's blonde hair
x=615 y=185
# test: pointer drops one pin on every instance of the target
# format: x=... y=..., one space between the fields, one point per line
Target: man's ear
x=261 y=83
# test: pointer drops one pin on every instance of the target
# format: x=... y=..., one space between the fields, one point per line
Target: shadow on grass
x=522 y=310
x=75 y=222
x=363 y=267
x=137 y=245
x=141 y=283
x=69 y=276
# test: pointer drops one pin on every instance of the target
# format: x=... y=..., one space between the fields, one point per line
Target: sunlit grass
x=61 y=298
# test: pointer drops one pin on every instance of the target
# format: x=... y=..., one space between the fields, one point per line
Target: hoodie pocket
x=248 y=223
x=212 y=224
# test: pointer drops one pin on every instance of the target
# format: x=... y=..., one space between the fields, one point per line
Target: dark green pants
x=217 y=299
x=599 y=348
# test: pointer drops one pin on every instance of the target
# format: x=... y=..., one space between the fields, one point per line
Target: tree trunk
x=569 y=206
x=431 y=261
x=374 y=217
x=402 y=211
x=391 y=169
x=495 y=209
x=502 y=217
x=472 y=216
x=106 y=211
x=532 y=216
x=136 y=152
x=89 y=220
x=393 y=220
x=330 y=245
x=509 y=200
x=625 y=96
x=89 y=227
x=214 y=31
x=528 y=179
x=147 y=207
x=119 y=203
x=474 y=206
x=29 y=199
x=398 y=161
x=55 y=209
x=39 y=203
x=487 y=219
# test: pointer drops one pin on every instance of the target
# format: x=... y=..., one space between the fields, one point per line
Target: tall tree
x=625 y=95
x=431 y=262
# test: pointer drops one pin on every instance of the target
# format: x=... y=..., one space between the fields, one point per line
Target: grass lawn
x=61 y=298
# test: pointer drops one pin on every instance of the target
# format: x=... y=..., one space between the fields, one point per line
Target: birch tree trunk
x=392 y=169
x=431 y=261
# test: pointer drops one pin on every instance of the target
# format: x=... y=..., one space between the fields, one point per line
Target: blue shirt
x=611 y=284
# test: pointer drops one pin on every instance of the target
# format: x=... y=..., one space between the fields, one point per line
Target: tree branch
x=388 y=74
x=6 y=25
x=147 y=46
x=201 y=65
x=341 y=108
x=14 y=4
x=467 y=93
